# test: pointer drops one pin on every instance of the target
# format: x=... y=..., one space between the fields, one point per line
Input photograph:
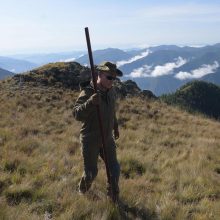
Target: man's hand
x=95 y=99
x=116 y=133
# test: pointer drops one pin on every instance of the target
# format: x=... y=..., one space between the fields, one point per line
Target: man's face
x=106 y=79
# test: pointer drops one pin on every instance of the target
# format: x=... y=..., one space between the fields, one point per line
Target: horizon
x=53 y=26
x=138 y=47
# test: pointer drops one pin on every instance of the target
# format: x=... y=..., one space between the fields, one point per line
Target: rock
x=70 y=75
x=67 y=75
x=148 y=94
x=127 y=88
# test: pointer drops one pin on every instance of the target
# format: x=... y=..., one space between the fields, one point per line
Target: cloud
x=68 y=60
x=143 y=54
x=198 y=73
x=140 y=72
x=71 y=59
x=167 y=68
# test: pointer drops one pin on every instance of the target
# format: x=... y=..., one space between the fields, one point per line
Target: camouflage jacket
x=86 y=112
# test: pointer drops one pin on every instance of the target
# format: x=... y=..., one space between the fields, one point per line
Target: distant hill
x=214 y=77
x=159 y=85
x=109 y=54
x=16 y=65
x=45 y=58
x=159 y=57
x=197 y=96
x=5 y=73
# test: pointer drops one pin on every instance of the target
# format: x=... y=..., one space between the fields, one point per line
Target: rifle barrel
x=94 y=79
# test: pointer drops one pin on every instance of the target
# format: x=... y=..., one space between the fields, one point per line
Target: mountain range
x=161 y=69
x=44 y=58
x=16 y=65
x=4 y=73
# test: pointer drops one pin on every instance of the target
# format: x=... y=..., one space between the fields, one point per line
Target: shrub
x=16 y=195
x=11 y=165
x=131 y=167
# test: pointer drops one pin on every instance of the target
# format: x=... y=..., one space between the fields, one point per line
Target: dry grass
x=169 y=160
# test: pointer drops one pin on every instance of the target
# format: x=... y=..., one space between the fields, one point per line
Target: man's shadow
x=132 y=212
x=125 y=210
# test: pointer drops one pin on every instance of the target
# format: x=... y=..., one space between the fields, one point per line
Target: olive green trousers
x=91 y=150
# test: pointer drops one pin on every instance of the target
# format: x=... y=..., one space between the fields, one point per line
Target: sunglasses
x=110 y=77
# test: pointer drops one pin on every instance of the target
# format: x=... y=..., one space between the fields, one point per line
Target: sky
x=43 y=26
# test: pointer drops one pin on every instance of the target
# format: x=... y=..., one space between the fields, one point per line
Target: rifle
x=94 y=79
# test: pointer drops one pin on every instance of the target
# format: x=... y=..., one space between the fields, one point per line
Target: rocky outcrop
x=148 y=94
x=61 y=74
x=126 y=88
x=130 y=88
x=70 y=75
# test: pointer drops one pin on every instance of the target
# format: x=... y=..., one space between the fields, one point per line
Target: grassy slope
x=197 y=96
x=170 y=160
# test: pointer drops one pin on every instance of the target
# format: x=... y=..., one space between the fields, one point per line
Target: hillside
x=169 y=158
x=4 y=73
x=16 y=65
x=44 y=58
x=197 y=96
x=110 y=54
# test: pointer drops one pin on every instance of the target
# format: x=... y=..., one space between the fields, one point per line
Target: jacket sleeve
x=83 y=106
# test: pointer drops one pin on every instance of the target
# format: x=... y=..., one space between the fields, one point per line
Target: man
x=85 y=110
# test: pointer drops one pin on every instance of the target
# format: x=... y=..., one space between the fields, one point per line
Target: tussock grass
x=169 y=160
